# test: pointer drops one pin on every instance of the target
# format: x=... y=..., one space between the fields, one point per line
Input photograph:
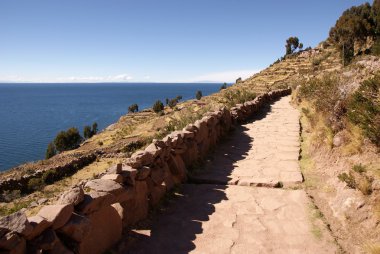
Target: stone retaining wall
x=53 y=174
x=90 y=217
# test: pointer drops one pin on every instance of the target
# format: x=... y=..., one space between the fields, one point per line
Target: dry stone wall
x=53 y=174
x=90 y=217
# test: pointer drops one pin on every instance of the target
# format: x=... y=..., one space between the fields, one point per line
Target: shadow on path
x=175 y=225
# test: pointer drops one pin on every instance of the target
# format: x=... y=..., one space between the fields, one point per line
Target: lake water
x=32 y=114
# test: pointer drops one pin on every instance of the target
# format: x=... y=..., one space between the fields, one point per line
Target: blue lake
x=32 y=114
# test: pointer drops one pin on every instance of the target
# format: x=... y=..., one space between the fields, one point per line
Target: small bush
x=94 y=128
x=67 y=140
x=133 y=108
x=173 y=102
x=198 y=95
x=50 y=151
x=349 y=179
x=359 y=168
x=323 y=92
x=224 y=86
x=133 y=146
x=158 y=106
x=48 y=177
x=100 y=143
x=375 y=50
x=87 y=132
x=364 y=109
x=35 y=184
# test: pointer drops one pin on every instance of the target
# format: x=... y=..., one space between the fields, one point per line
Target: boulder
x=94 y=200
x=153 y=150
x=157 y=192
x=46 y=240
x=105 y=231
x=76 y=228
x=120 y=210
x=191 y=155
x=167 y=140
x=180 y=149
x=129 y=174
x=114 y=177
x=191 y=128
x=159 y=143
x=136 y=209
x=17 y=222
x=202 y=130
x=58 y=215
x=59 y=248
x=177 y=168
x=143 y=173
x=176 y=138
x=104 y=185
x=73 y=196
x=157 y=175
x=139 y=159
x=168 y=178
x=10 y=240
x=115 y=169
x=39 y=225
x=19 y=248
x=187 y=134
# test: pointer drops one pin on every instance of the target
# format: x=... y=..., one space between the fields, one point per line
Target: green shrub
x=48 y=177
x=375 y=50
x=224 y=86
x=349 y=179
x=35 y=184
x=364 y=109
x=67 y=140
x=198 y=95
x=359 y=168
x=50 y=151
x=133 y=146
x=133 y=108
x=322 y=92
x=158 y=106
x=87 y=133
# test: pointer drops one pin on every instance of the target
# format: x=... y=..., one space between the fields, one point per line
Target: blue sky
x=154 y=41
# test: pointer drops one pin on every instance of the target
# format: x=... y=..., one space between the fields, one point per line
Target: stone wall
x=90 y=217
x=53 y=174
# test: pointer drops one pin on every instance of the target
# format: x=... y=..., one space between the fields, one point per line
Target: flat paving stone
x=263 y=152
x=234 y=219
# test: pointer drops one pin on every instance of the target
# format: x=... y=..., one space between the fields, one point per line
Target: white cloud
x=225 y=76
x=95 y=79
x=73 y=79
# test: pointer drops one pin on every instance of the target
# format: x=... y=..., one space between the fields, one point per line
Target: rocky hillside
x=340 y=131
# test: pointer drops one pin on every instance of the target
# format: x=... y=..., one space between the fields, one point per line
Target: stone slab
x=234 y=219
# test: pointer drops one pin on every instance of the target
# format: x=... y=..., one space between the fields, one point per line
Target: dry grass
x=51 y=192
x=356 y=140
x=372 y=248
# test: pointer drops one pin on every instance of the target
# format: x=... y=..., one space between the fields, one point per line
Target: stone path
x=261 y=153
x=225 y=211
